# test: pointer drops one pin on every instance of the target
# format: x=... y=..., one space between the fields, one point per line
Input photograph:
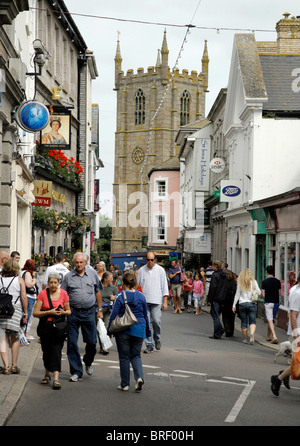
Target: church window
x=139 y=107
x=185 y=108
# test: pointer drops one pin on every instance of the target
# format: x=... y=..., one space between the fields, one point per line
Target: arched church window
x=139 y=107
x=185 y=108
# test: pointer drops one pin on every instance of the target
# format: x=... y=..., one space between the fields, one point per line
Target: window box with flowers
x=55 y=165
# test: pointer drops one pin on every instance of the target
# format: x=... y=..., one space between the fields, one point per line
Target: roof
x=170 y=164
x=279 y=79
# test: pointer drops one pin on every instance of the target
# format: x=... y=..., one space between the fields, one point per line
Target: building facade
x=145 y=136
x=261 y=125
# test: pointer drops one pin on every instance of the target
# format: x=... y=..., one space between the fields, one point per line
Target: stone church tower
x=151 y=106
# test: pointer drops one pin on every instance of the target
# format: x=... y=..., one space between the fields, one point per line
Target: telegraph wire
x=144 y=22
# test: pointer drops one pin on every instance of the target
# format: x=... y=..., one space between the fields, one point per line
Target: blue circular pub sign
x=32 y=116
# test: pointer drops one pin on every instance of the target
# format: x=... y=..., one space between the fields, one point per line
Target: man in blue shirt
x=83 y=287
x=176 y=287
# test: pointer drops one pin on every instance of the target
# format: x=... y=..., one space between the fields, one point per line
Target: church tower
x=151 y=106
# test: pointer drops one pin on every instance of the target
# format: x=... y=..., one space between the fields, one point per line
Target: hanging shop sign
x=217 y=165
x=32 y=116
x=230 y=190
x=57 y=134
x=43 y=193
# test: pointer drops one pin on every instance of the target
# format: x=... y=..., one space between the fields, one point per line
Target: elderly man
x=152 y=278
x=83 y=287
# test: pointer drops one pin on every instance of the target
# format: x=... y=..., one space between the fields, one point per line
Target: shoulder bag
x=58 y=323
x=254 y=294
x=127 y=320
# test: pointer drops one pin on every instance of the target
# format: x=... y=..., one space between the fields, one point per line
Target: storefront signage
x=217 y=165
x=202 y=147
x=32 y=116
x=230 y=190
x=57 y=134
x=43 y=193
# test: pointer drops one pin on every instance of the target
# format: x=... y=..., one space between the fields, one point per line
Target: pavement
x=12 y=386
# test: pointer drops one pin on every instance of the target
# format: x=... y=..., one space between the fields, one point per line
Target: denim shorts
x=248 y=312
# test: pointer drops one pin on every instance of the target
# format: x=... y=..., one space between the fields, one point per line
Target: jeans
x=129 y=349
x=154 y=316
x=215 y=314
x=85 y=320
x=248 y=312
x=31 y=304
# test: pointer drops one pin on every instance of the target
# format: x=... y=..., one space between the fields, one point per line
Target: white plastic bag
x=104 y=338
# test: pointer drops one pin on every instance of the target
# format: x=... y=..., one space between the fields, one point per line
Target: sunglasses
x=150 y=260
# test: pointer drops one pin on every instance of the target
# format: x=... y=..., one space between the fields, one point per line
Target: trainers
x=124 y=389
x=89 y=369
x=286 y=380
x=251 y=339
x=276 y=383
x=148 y=350
x=157 y=345
x=139 y=385
x=74 y=378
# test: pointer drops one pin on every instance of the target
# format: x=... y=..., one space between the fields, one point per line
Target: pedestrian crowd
x=76 y=299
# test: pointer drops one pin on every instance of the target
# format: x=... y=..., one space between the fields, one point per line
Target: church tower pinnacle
x=164 y=58
x=118 y=63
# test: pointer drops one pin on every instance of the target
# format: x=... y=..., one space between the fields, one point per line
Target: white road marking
x=190 y=373
x=240 y=402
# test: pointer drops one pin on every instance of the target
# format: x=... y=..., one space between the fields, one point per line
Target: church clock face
x=138 y=155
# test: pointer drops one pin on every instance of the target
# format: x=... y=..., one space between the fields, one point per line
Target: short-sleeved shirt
x=271 y=286
x=176 y=279
x=82 y=289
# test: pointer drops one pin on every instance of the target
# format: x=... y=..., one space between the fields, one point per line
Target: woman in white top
x=10 y=327
x=246 y=287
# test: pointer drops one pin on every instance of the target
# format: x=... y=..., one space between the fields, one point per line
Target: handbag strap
x=49 y=299
x=125 y=298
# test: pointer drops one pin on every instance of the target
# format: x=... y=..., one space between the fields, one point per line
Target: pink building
x=164 y=208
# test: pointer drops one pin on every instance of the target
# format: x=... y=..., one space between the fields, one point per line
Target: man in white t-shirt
x=58 y=267
x=293 y=332
x=153 y=281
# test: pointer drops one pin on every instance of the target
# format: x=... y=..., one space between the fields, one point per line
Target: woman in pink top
x=51 y=344
x=197 y=292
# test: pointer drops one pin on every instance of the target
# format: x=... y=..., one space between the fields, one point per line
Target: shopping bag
x=295 y=365
x=104 y=338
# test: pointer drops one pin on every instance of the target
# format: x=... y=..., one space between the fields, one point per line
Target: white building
x=261 y=126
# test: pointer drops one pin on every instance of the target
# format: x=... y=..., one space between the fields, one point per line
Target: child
x=197 y=292
x=187 y=291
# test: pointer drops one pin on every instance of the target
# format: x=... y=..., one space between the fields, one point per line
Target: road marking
x=240 y=402
x=190 y=373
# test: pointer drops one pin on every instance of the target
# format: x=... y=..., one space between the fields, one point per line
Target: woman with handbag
x=129 y=341
x=52 y=304
x=247 y=294
x=10 y=327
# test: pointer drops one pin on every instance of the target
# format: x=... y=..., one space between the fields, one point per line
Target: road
x=192 y=381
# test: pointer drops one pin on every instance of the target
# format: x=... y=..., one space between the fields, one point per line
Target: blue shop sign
x=32 y=116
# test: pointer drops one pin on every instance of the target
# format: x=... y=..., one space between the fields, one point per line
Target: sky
x=139 y=44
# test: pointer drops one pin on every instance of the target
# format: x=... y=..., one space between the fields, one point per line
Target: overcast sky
x=139 y=44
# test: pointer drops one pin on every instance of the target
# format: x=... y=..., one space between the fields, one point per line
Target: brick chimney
x=288 y=34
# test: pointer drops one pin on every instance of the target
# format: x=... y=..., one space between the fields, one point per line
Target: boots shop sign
x=231 y=190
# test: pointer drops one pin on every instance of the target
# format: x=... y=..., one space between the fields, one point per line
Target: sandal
x=15 y=370
x=46 y=379
x=6 y=370
x=56 y=385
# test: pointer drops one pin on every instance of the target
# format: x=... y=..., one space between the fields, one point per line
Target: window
x=185 y=108
x=161 y=228
x=139 y=107
x=161 y=189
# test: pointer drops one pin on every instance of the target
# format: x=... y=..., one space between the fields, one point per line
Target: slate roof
x=277 y=73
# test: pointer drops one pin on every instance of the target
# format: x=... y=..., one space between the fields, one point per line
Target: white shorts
x=271 y=311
